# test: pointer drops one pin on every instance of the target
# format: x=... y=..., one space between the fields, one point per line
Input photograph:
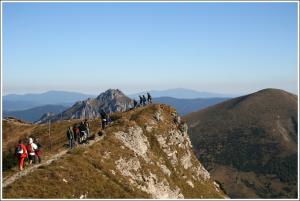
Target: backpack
x=30 y=148
x=19 y=150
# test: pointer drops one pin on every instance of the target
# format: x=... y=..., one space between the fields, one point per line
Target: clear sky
x=232 y=48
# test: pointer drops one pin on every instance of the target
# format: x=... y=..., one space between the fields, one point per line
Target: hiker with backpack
x=144 y=100
x=76 y=133
x=149 y=98
x=104 y=118
x=141 y=100
x=38 y=151
x=134 y=103
x=21 y=153
x=70 y=136
x=31 y=147
x=83 y=134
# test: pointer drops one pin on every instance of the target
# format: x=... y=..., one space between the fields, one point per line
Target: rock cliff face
x=145 y=153
x=112 y=100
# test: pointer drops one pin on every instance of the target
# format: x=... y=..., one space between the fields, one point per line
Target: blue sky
x=232 y=48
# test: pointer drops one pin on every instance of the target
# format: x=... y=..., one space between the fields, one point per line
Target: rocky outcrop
x=144 y=153
x=151 y=170
x=112 y=100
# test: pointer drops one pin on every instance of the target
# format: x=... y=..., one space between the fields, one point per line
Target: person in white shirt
x=31 y=147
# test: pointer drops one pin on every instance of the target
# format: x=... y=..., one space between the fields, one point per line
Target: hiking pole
x=50 y=135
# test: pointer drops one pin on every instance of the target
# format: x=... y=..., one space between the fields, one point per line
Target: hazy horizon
x=228 y=48
x=132 y=93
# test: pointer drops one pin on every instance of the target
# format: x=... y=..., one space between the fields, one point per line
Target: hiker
x=104 y=118
x=87 y=128
x=83 y=133
x=70 y=136
x=134 y=103
x=31 y=147
x=144 y=100
x=21 y=153
x=141 y=100
x=108 y=119
x=38 y=151
x=76 y=133
x=149 y=98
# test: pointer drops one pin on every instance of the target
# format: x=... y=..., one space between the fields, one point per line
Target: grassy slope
x=88 y=170
x=243 y=137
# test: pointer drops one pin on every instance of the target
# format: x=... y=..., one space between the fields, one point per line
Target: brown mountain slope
x=249 y=143
x=143 y=154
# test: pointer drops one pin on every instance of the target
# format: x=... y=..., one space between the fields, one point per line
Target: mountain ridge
x=263 y=126
x=143 y=154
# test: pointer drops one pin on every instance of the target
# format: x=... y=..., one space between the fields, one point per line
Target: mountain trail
x=10 y=179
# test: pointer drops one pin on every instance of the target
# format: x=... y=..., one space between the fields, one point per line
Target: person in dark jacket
x=70 y=136
x=134 y=103
x=104 y=118
x=141 y=100
x=83 y=133
x=76 y=134
x=149 y=98
x=144 y=100
x=38 y=151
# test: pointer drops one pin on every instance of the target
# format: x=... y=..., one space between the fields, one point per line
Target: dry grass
x=91 y=170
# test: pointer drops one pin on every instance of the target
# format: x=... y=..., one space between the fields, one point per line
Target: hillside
x=34 y=114
x=249 y=144
x=143 y=154
x=185 y=106
x=112 y=100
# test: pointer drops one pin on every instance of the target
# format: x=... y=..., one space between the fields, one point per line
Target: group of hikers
x=77 y=134
x=80 y=133
x=143 y=100
x=32 y=151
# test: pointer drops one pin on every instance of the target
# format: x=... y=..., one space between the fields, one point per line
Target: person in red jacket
x=21 y=153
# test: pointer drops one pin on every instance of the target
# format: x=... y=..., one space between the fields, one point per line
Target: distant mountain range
x=180 y=93
x=13 y=102
x=30 y=107
x=249 y=144
x=34 y=114
x=185 y=106
x=112 y=100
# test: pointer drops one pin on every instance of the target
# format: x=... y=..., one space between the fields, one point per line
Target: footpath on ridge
x=10 y=179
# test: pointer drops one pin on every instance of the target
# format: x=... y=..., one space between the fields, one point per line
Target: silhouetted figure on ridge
x=134 y=103
x=104 y=118
x=141 y=100
x=149 y=98
x=144 y=100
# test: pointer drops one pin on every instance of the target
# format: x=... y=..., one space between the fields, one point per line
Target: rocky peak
x=111 y=94
x=112 y=100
